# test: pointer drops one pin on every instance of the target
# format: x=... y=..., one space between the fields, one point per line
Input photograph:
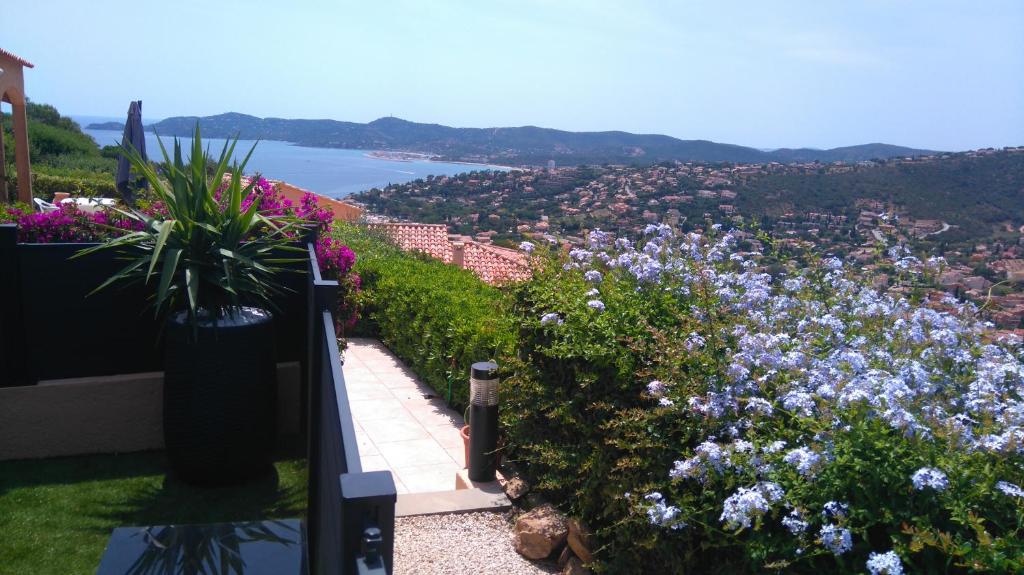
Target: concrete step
x=460 y=501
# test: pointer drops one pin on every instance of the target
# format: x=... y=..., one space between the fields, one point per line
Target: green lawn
x=56 y=514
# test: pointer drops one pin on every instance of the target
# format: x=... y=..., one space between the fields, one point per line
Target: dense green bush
x=575 y=412
x=46 y=185
x=437 y=318
x=703 y=416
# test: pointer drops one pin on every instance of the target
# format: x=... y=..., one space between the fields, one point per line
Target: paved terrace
x=400 y=424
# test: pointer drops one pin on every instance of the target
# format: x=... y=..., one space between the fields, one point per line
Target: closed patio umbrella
x=133 y=136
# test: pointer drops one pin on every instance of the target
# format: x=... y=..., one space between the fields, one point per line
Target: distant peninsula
x=519 y=146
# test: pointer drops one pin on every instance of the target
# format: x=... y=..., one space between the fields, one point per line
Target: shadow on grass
x=174 y=502
x=136 y=489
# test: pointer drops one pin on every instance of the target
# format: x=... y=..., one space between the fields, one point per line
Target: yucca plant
x=213 y=264
x=207 y=256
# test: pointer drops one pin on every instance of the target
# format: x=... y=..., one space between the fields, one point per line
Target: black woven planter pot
x=220 y=397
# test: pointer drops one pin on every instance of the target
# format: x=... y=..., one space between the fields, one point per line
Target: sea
x=332 y=172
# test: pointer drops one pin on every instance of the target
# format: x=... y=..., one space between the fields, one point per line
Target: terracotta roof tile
x=496 y=265
x=431 y=239
x=492 y=264
x=16 y=58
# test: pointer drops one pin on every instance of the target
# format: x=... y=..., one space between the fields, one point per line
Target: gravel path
x=459 y=544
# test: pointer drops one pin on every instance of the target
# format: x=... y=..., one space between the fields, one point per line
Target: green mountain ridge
x=524 y=145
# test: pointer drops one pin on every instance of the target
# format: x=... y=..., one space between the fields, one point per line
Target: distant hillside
x=106 y=126
x=527 y=145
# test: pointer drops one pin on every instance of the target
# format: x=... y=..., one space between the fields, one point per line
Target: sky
x=931 y=74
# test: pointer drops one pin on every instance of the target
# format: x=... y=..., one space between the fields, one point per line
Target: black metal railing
x=351 y=513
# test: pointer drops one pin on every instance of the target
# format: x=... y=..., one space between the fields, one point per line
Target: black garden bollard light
x=483 y=421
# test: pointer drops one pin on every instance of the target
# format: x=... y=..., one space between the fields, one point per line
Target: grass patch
x=56 y=515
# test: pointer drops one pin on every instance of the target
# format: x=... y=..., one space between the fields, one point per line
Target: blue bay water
x=328 y=171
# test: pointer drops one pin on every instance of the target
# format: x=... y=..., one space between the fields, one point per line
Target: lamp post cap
x=484 y=370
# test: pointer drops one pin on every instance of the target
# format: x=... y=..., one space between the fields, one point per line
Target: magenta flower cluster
x=67 y=225
x=71 y=225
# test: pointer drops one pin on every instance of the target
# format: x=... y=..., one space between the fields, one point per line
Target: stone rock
x=575 y=567
x=564 y=557
x=516 y=487
x=580 y=540
x=540 y=532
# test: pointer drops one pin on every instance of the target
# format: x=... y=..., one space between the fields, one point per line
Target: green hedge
x=437 y=318
x=46 y=185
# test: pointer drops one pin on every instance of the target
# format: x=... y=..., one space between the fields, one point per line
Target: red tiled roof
x=496 y=265
x=431 y=239
x=492 y=264
x=16 y=58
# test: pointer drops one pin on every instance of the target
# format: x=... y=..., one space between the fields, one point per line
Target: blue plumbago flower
x=665 y=402
x=1009 y=489
x=527 y=247
x=694 y=341
x=816 y=344
x=581 y=255
x=929 y=477
x=835 y=510
x=656 y=387
x=836 y=539
x=596 y=304
x=692 y=468
x=549 y=318
x=742 y=507
x=805 y=460
x=759 y=406
x=598 y=240
x=592 y=292
x=794 y=523
x=712 y=453
x=661 y=514
x=794 y=284
x=887 y=563
x=833 y=263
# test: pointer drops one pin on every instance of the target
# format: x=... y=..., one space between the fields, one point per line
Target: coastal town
x=762 y=203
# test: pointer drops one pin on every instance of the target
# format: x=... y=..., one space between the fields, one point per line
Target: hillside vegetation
x=525 y=145
x=64 y=159
x=974 y=193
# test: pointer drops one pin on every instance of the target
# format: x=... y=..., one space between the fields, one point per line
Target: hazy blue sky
x=936 y=74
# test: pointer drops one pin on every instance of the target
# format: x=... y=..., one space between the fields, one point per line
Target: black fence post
x=12 y=331
x=312 y=405
x=368 y=522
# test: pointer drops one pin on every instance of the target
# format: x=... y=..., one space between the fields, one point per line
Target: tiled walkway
x=400 y=423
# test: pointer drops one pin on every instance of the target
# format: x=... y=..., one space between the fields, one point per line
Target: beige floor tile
x=414 y=452
x=397 y=429
x=366 y=446
x=364 y=391
x=396 y=381
x=373 y=462
x=369 y=409
x=357 y=375
x=458 y=454
x=446 y=435
x=427 y=478
x=434 y=414
x=414 y=393
x=400 y=487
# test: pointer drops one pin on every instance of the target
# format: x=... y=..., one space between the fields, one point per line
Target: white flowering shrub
x=705 y=416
